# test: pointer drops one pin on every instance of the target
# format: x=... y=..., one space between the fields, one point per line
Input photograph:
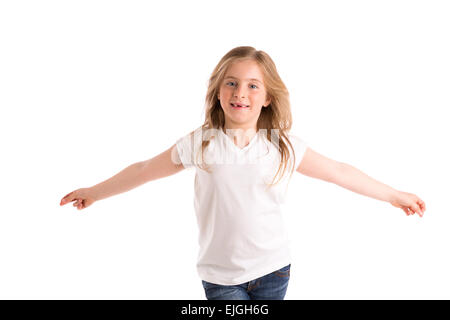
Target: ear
x=268 y=101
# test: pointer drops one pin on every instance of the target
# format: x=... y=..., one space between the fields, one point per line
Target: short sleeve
x=186 y=146
x=300 y=147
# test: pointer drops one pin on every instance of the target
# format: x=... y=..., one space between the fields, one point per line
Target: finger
x=417 y=210
x=409 y=210
x=66 y=198
x=420 y=212
x=422 y=205
x=68 y=194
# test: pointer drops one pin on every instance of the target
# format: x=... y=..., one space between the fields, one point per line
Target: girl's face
x=243 y=83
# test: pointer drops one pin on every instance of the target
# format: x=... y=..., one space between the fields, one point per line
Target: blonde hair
x=277 y=115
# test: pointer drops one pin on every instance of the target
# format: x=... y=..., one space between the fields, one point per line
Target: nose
x=239 y=91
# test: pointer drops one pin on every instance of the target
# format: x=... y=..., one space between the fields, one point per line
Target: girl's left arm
x=342 y=174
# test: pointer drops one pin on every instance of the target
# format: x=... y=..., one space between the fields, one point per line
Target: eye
x=255 y=87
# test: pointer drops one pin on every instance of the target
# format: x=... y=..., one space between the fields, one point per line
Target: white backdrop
x=90 y=87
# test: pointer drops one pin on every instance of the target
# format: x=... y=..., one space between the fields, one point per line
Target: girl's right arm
x=160 y=166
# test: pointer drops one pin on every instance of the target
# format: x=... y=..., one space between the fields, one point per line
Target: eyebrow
x=246 y=79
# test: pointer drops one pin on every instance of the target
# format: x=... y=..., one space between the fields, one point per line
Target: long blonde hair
x=277 y=115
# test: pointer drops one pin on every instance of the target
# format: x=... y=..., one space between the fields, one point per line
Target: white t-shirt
x=241 y=232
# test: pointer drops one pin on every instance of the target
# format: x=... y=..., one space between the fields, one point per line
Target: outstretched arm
x=139 y=173
x=342 y=174
x=165 y=164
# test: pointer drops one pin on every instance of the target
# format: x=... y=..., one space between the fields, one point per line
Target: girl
x=239 y=151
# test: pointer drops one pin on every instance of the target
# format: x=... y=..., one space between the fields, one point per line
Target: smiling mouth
x=238 y=106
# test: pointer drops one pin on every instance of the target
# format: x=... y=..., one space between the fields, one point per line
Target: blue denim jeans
x=272 y=286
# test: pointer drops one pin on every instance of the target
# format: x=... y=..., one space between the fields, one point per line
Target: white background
x=90 y=87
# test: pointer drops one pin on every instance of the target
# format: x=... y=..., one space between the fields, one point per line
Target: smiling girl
x=243 y=242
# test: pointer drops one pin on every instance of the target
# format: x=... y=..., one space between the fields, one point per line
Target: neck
x=241 y=136
x=248 y=129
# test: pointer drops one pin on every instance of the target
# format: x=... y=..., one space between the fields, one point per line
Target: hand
x=409 y=202
x=83 y=198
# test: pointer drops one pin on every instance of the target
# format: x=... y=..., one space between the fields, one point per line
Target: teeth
x=235 y=105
